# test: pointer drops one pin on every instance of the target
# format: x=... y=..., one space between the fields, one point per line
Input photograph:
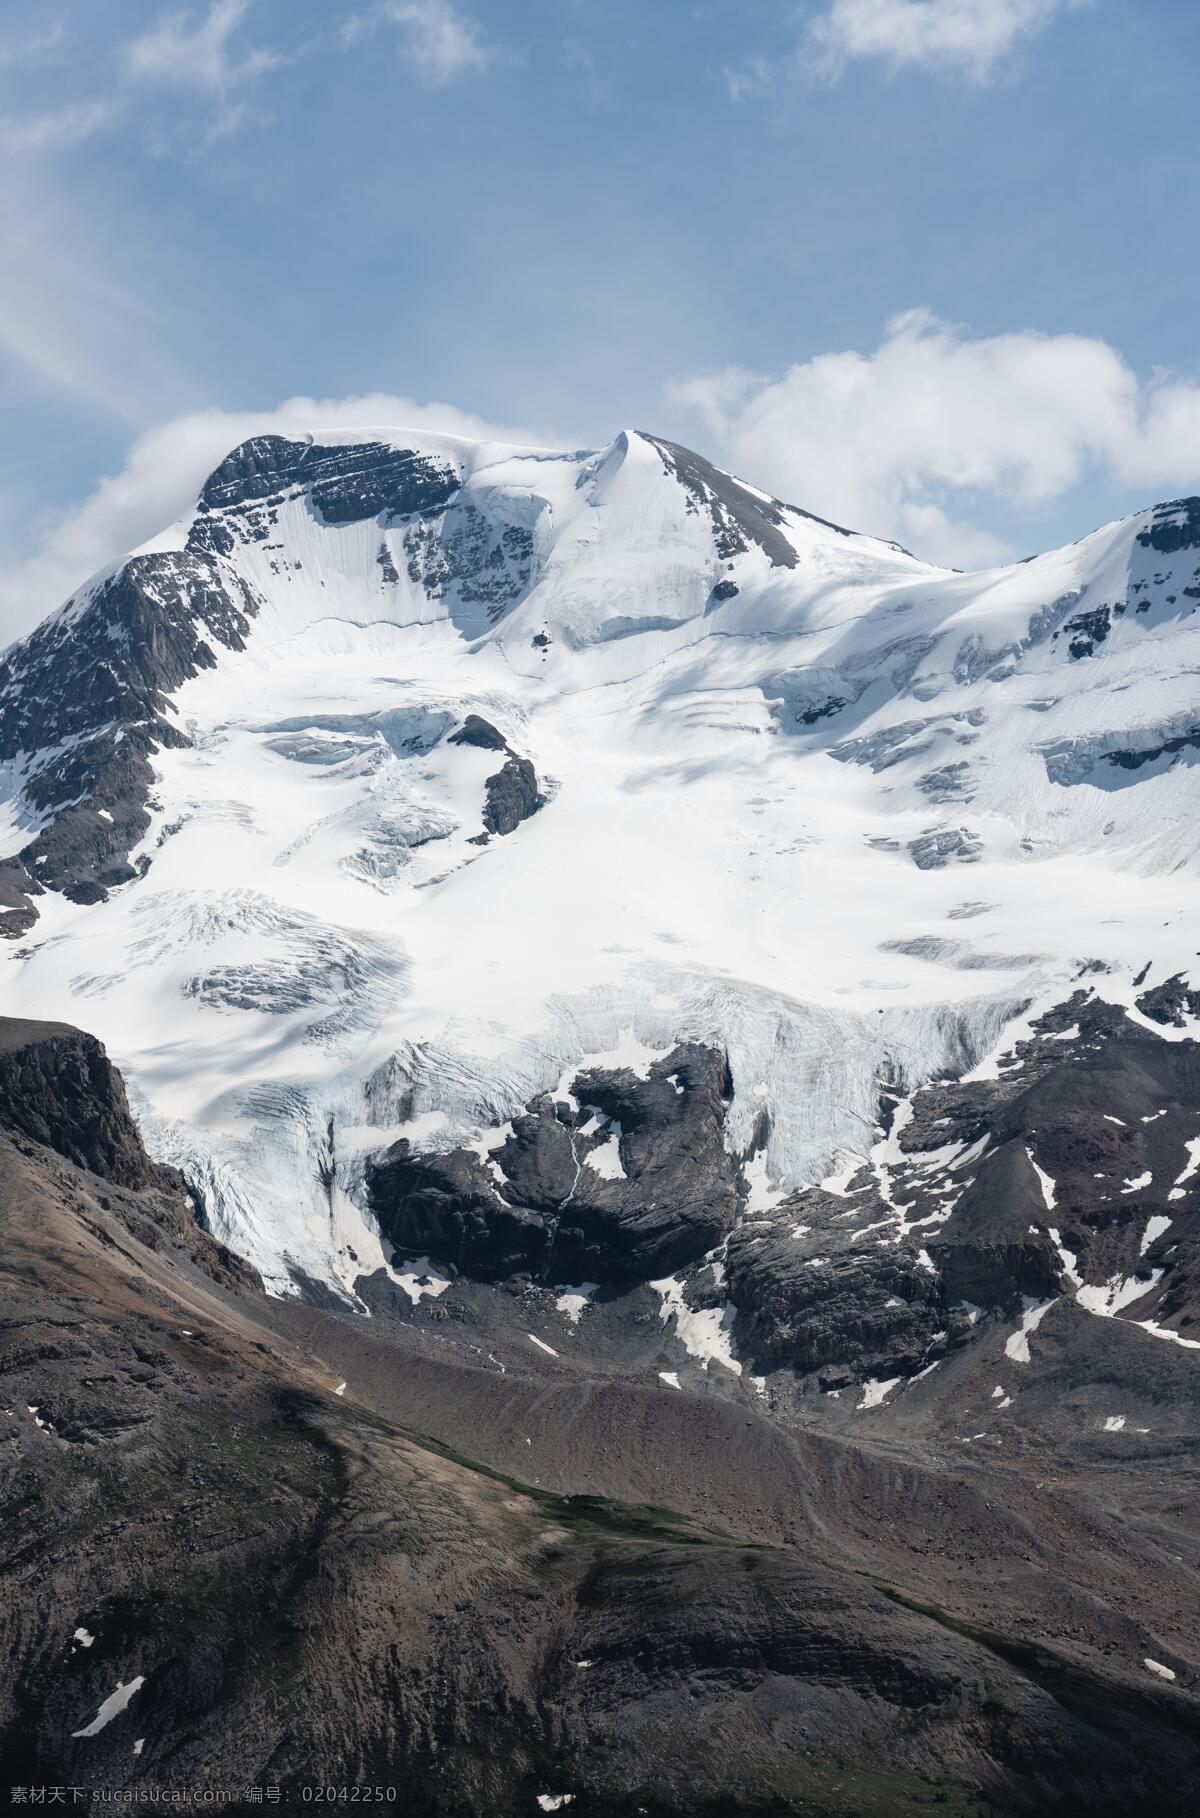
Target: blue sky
x=928 y=266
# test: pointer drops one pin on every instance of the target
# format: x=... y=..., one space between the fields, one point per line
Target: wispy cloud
x=24 y=53
x=84 y=310
x=196 y=51
x=911 y=439
x=59 y=129
x=967 y=39
x=203 y=52
x=440 y=43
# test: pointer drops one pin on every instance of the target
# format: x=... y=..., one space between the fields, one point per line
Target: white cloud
x=965 y=38
x=911 y=440
x=755 y=77
x=164 y=471
x=57 y=130
x=188 y=50
x=970 y=37
x=22 y=53
x=440 y=43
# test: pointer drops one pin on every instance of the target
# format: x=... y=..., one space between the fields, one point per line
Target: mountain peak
x=703 y=766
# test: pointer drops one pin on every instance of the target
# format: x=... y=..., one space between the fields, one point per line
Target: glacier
x=798 y=795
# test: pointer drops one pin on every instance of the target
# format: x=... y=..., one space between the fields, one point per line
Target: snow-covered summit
x=601 y=544
x=405 y=774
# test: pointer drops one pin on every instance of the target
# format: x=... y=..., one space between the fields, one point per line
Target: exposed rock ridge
x=84 y=705
x=1174 y=525
x=739 y=517
x=343 y=484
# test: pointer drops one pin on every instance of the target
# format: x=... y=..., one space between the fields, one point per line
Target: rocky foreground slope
x=227 y=1563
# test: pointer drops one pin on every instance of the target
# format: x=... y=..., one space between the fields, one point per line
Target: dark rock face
x=739 y=518
x=92 y=686
x=1086 y=632
x=1073 y=761
x=450 y=546
x=539 y=1206
x=1131 y=759
x=1170 y=1003
x=994 y=1249
x=512 y=796
x=1175 y=525
x=680 y=1193
x=1070 y=1172
x=822 y=710
x=345 y=485
x=58 y=1087
x=450 y=1207
x=477 y=731
x=1106 y=1112
x=61 y=1099
x=831 y=1298
x=512 y=792
x=118 y=657
x=472 y=558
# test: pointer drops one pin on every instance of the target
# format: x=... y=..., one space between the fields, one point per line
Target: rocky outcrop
x=1072 y=1175
x=1126 y=750
x=480 y=733
x=1174 y=525
x=476 y=561
x=512 y=792
x=85 y=701
x=450 y=546
x=628 y=1182
x=85 y=704
x=1170 y=1003
x=739 y=517
x=62 y=1099
x=114 y=656
x=994 y=1249
x=831 y=1301
x=1083 y=1168
x=512 y=796
x=1066 y=1175
x=58 y=1087
x=449 y=1206
x=344 y=484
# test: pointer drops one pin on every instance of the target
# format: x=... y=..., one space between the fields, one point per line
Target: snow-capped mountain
x=407 y=782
